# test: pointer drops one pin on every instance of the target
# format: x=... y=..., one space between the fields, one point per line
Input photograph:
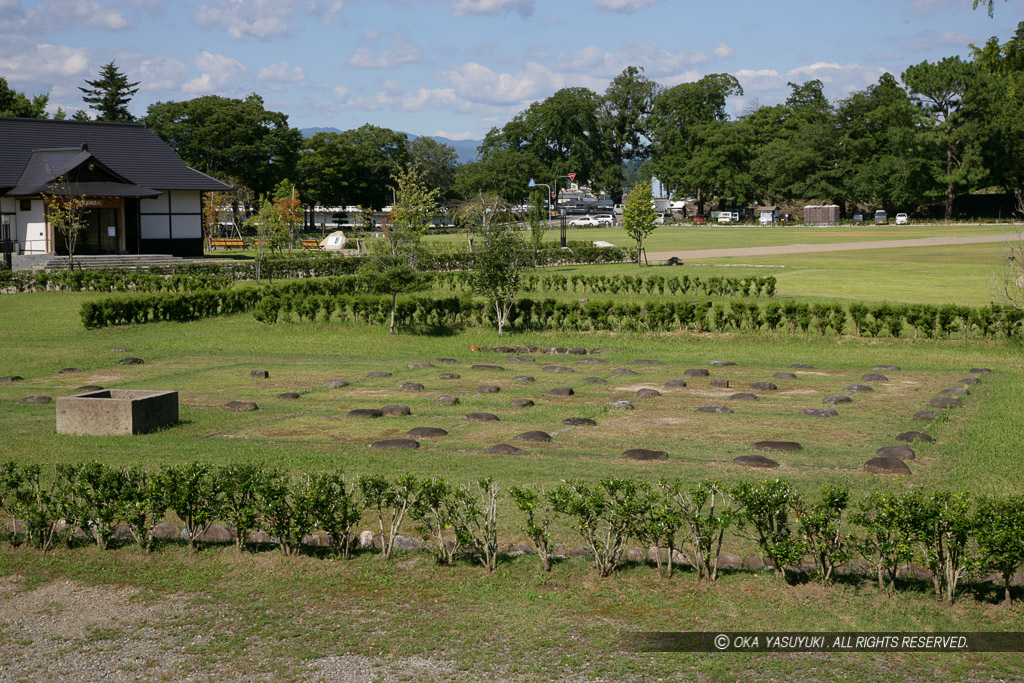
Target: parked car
x=604 y=218
x=881 y=217
x=584 y=221
x=784 y=218
x=902 y=219
x=699 y=218
x=660 y=220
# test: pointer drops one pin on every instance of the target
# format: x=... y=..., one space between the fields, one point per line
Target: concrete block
x=116 y=411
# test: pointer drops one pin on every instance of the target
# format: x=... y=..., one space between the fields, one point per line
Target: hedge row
x=110 y=280
x=629 y=284
x=955 y=535
x=548 y=314
x=145 y=308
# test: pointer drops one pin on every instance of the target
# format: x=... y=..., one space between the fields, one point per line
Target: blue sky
x=458 y=67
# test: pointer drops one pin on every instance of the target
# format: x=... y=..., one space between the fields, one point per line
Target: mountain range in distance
x=464 y=149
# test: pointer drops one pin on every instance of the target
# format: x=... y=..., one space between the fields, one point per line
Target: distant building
x=141 y=198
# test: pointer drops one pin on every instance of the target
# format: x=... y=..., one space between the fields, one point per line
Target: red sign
x=572 y=176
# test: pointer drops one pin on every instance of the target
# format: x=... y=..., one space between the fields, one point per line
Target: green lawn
x=259 y=613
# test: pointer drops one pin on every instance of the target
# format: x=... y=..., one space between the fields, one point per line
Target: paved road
x=695 y=254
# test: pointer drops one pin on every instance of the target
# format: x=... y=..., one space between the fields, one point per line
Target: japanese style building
x=140 y=197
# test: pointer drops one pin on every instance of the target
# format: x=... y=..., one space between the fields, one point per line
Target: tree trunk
x=949 y=186
x=394 y=298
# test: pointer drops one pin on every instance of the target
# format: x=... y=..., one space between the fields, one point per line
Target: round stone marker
x=37 y=399
x=854 y=388
x=788 y=446
x=446 y=361
x=743 y=396
x=241 y=406
x=644 y=454
x=522 y=403
x=577 y=352
x=901 y=452
x=592 y=360
x=377 y=374
x=365 y=413
x=130 y=361
x=911 y=437
x=784 y=375
x=980 y=371
x=928 y=414
x=395 y=443
x=836 y=399
x=956 y=391
x=523 y=379
x=523 y=359
x=801 y=366
x=504 y=449
x=621 y=405
x=970 y=380
x=447 y=400
x=490 y=368
x=945 y=402
x=425 y=432
x=644 y=361
x=480 y=417
x=89 y=387
x=579 y=422
x=594 y=380
x=259 y=374
x=696 y=372
x=887 y=368
x=335 y=383
x=764 y=386
x=713 y=409
x=416 y=366
x=562 y=391
x=819 y=412
x=11 y=378
x=755 y=461
x=534 y=436
x=886 y=466
x=289 y=395
x=647 y=393
x=65 y=371
x=449 y=375
x=675 y=384
x=488 y=389
x=397 y=410
x=721 y=363
x=624 y=371
x=873 y=377
x=557 y=368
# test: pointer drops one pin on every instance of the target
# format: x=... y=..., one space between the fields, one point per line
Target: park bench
x=226 y=243
x=311 y=245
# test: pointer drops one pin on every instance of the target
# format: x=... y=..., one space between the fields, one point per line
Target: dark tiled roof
x=47 y=165
x=130 y=150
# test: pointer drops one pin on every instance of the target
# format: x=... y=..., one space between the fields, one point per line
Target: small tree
x=392 y=275
x=390 y=502
x=708 y=513
x=821 y=526
x=538 y=219
x=413 y=214
x=887 y=543
x=289 y=208
x=110 y=94
x=497 y=270
x=1000 y=536
x=942 y=526
x=242 y=485
x=1008 y=284
x=65 y=211
x=194 y=493
x=335 y=509
x=639 y=216
x=766 y=508
x=537 y=509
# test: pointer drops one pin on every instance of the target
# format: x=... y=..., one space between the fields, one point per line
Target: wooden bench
x=226 y=243
x=311 y=245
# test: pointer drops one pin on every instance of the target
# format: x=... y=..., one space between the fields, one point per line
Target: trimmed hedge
x=630 y=284
x=141 y=309
x=111 y=280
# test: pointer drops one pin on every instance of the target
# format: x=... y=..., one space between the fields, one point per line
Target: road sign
x=532 y=184
x=572 y=176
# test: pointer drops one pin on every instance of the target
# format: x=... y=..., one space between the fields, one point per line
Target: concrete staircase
x=133 y=261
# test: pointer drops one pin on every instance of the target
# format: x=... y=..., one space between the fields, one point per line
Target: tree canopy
x=110 y=94
x=14 y=103
x=352 y=168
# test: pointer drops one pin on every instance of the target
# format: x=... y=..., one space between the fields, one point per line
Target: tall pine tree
x=110 y=94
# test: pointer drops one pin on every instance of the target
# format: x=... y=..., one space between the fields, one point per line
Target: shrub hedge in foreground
x=954 y=534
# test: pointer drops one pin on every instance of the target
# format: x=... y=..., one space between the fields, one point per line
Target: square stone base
x=116 y=411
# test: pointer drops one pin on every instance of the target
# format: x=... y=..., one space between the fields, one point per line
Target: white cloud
x=402 y=51
x=463 y=8
x=464 y=135
x=220 y=73
x=27 y=63
x=55 y=15
x=477 y=83
x=340 y=94
x=161 y=73
x=263 y=19
x=280 y=73
x=656 y=60
x=839 y=80
x=624 y=6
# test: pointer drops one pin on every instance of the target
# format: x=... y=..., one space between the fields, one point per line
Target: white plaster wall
x=155 y=205
x=187 y=226
x=155 y=227
x=30 y=227
x=184 y=201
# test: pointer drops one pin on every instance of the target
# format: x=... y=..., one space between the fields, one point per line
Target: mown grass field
x=263 y=614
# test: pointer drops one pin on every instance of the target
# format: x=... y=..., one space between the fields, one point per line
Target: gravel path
x=835 y=246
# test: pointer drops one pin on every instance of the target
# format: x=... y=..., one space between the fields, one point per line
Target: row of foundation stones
x=367 y=540
x=887 y=460
x=41 y=398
